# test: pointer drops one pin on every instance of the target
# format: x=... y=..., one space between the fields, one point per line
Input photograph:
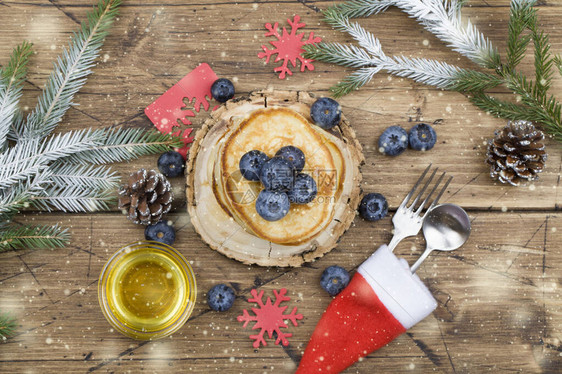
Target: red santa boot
x=383 y=300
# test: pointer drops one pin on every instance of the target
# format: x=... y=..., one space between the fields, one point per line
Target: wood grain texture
x=500 y=307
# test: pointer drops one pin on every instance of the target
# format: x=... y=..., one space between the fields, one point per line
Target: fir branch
x=17 y=196
x=11 y=84
x=7 y=325
x=27 y=158
x=521 y=14
x=365 y=38
x=354 y=81
x=474 y=81
x=17 y=237
x=90 y=177
x=370 y=57
x=71 y=70
x=543 y=62
x=362 y=8
x=498 y=107
x=73 y=199
x=442 y=18
x=339 y=54
x=125 y=144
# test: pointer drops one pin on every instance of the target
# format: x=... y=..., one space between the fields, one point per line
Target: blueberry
x=277 y=174
x=272 y=205
x=373 y=207
x=171 y=164
x=251 y=164
x=393 y=141
x=220 y=297
x=293 y=155
x=334 y=279
x=304 y=190
x=222 y=90
x=326 y=112
x=162 y=232
x=422 y=137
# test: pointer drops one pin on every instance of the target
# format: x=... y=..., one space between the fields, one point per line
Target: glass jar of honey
x=147 y=290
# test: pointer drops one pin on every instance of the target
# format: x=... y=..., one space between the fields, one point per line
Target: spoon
x=445 y=228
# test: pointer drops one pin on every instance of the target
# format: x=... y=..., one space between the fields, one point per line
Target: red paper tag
x=169 y=113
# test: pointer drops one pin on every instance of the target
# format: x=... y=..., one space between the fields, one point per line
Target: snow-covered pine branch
x=29 y=157
x=441 y=17
x=87 y=177
x=73 y=199
x=121 y=144
x=71 y=71
x=371 y=59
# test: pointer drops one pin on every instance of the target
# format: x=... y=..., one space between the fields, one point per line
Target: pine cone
x=146 y=198
x=516 y=155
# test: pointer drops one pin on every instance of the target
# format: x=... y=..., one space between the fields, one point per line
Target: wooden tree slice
x=216 y=225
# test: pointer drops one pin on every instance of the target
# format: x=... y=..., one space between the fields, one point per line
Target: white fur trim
x=403 y=293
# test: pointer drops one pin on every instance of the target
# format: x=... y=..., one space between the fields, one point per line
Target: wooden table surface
x=500 y=306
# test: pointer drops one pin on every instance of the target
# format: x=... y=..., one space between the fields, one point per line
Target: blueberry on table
x=251 y=164
x=373 y=207
x=272 y=205
x=277 y=174
x=326 y=113
x=393 y=141
x=294 y=155
x=222 y=90
x=220 y=298
x=334 y=279
x=171 y=164
x=162 y=232
x=422 y=137
x=304 y=190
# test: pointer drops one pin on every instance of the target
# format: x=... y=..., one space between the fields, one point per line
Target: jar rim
x=186 y=270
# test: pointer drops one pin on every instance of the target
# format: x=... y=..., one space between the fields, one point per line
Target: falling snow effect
x=269 y=317
x=288 y=47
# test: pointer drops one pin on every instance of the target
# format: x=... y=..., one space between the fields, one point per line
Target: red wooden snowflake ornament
x=269 y=317
x=169 y=113
x=288 y=47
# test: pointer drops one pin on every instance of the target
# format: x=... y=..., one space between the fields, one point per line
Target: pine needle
x=26 y=236
x=71 y=70
x=7 y=325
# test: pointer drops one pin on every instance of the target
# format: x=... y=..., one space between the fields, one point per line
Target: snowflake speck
x=269 y=317
x=288 y=47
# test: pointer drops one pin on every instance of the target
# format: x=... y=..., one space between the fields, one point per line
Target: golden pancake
x=268 y=130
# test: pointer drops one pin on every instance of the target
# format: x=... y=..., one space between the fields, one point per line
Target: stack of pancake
x=222 y=203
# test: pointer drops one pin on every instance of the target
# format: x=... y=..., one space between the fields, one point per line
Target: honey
x=146 y=290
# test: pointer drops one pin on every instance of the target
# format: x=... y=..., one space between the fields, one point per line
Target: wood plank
x=501 y=289
x=500 y=306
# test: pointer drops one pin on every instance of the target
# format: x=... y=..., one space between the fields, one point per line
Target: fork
x=408 y=221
